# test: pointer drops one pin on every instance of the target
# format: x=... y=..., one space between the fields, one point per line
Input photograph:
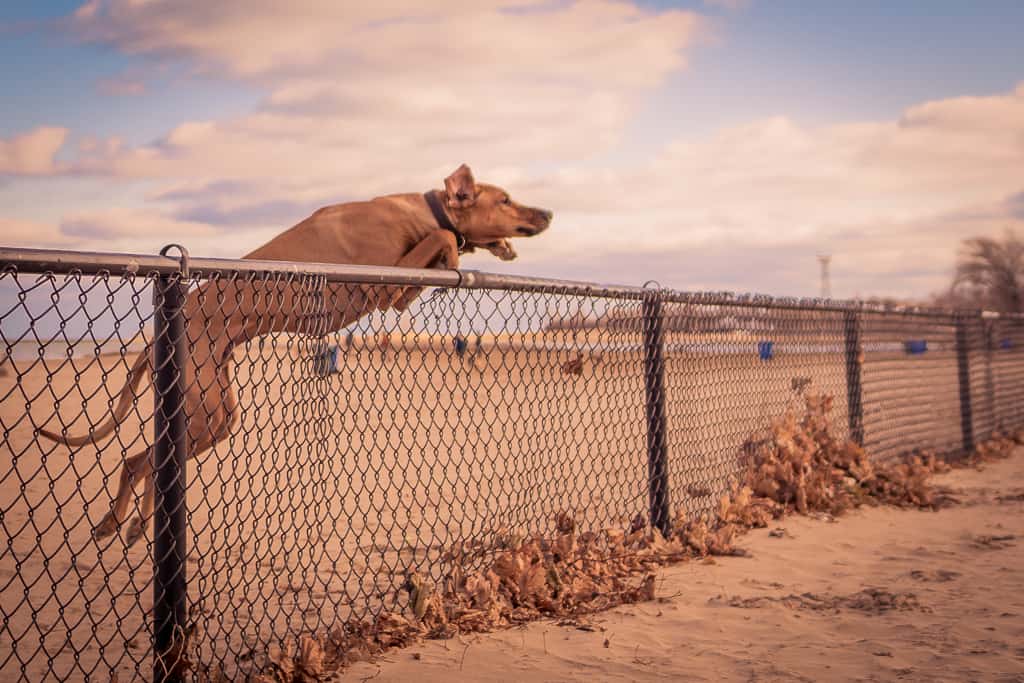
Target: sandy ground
x=331 y=487
x=883 y=594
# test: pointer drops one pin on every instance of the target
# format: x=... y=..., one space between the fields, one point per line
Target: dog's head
x=487 y=216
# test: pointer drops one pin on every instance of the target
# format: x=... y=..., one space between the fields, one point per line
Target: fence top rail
x=58 y=261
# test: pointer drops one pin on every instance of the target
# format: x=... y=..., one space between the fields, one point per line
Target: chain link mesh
x=334 y=446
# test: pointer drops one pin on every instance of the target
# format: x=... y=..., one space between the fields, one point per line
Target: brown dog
x=408 y=230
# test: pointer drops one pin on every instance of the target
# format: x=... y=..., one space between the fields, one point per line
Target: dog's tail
x=117 y=415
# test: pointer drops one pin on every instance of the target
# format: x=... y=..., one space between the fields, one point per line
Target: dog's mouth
x=529 y=230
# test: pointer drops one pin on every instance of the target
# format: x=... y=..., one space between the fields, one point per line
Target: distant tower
x=826 y=286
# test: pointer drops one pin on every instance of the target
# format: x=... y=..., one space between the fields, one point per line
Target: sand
x=332 y=487
x=883 y=594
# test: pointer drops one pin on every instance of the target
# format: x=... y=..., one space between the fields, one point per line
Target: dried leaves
x=574 y=366
x=290 y=665
x=801 y=466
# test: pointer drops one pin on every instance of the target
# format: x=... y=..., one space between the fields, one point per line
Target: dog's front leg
x=437 y=249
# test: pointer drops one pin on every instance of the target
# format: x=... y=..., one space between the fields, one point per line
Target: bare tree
x=990 y=272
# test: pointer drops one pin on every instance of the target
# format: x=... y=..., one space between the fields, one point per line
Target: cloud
x=32 y=153
x=280 y=212
x=240 y=204
x=775 y=181
x=133 y=225
x=265 y=40
x=733 y=5
x=1015 y=206
x=753 y=204
x=362 y=99
x=891 y=199
x=25 y=233
x=368 y=99
x=905 y=260
x=121 y=86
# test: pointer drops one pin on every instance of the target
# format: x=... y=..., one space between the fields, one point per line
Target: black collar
x=436 y=208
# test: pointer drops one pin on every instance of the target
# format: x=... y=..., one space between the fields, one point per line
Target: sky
x=707 y=145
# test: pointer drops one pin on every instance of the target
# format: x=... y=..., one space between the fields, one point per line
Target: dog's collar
x=443 y=221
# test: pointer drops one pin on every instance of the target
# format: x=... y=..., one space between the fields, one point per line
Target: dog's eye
x=506 y=200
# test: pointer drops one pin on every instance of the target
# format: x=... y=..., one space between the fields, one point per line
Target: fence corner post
x=964 y=374
x=654 y=382
x=854 y=363
x=169 y=455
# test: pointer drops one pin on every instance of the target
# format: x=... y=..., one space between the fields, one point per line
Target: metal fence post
x=854 y=361
x=654 y=381
x=988 y=323
x=169 y=455
x=964 y=372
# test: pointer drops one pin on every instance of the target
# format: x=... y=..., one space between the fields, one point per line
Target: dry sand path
x=884 y=594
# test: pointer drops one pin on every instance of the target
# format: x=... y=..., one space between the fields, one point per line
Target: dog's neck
x=445 y=220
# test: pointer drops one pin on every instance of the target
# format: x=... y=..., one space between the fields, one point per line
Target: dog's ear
x=460 y=188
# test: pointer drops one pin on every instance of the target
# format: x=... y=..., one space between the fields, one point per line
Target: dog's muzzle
x=540 y=223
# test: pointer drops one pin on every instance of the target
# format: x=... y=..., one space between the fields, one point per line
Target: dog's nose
x=547 y=215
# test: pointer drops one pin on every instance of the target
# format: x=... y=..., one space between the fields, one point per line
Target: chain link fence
x=332 y=445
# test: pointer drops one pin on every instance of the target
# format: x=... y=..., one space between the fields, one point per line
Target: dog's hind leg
x=137 y=525
x=135 y=469
x=221 y=420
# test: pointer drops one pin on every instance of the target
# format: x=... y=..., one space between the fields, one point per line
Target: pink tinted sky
x=715 y=145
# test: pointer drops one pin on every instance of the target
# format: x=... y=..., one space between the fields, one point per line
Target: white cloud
x=385 y=97
x=774 y=181
x=32 y=153
x=452 y=42
x=375 y=96
x=23 y=233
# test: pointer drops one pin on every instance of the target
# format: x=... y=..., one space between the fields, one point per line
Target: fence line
x=58 y=261
x=327 y=459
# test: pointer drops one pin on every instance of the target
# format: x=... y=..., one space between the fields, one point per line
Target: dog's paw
x=136 y=530
x=407 y=297
x=502 y=249
x=106 y=528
